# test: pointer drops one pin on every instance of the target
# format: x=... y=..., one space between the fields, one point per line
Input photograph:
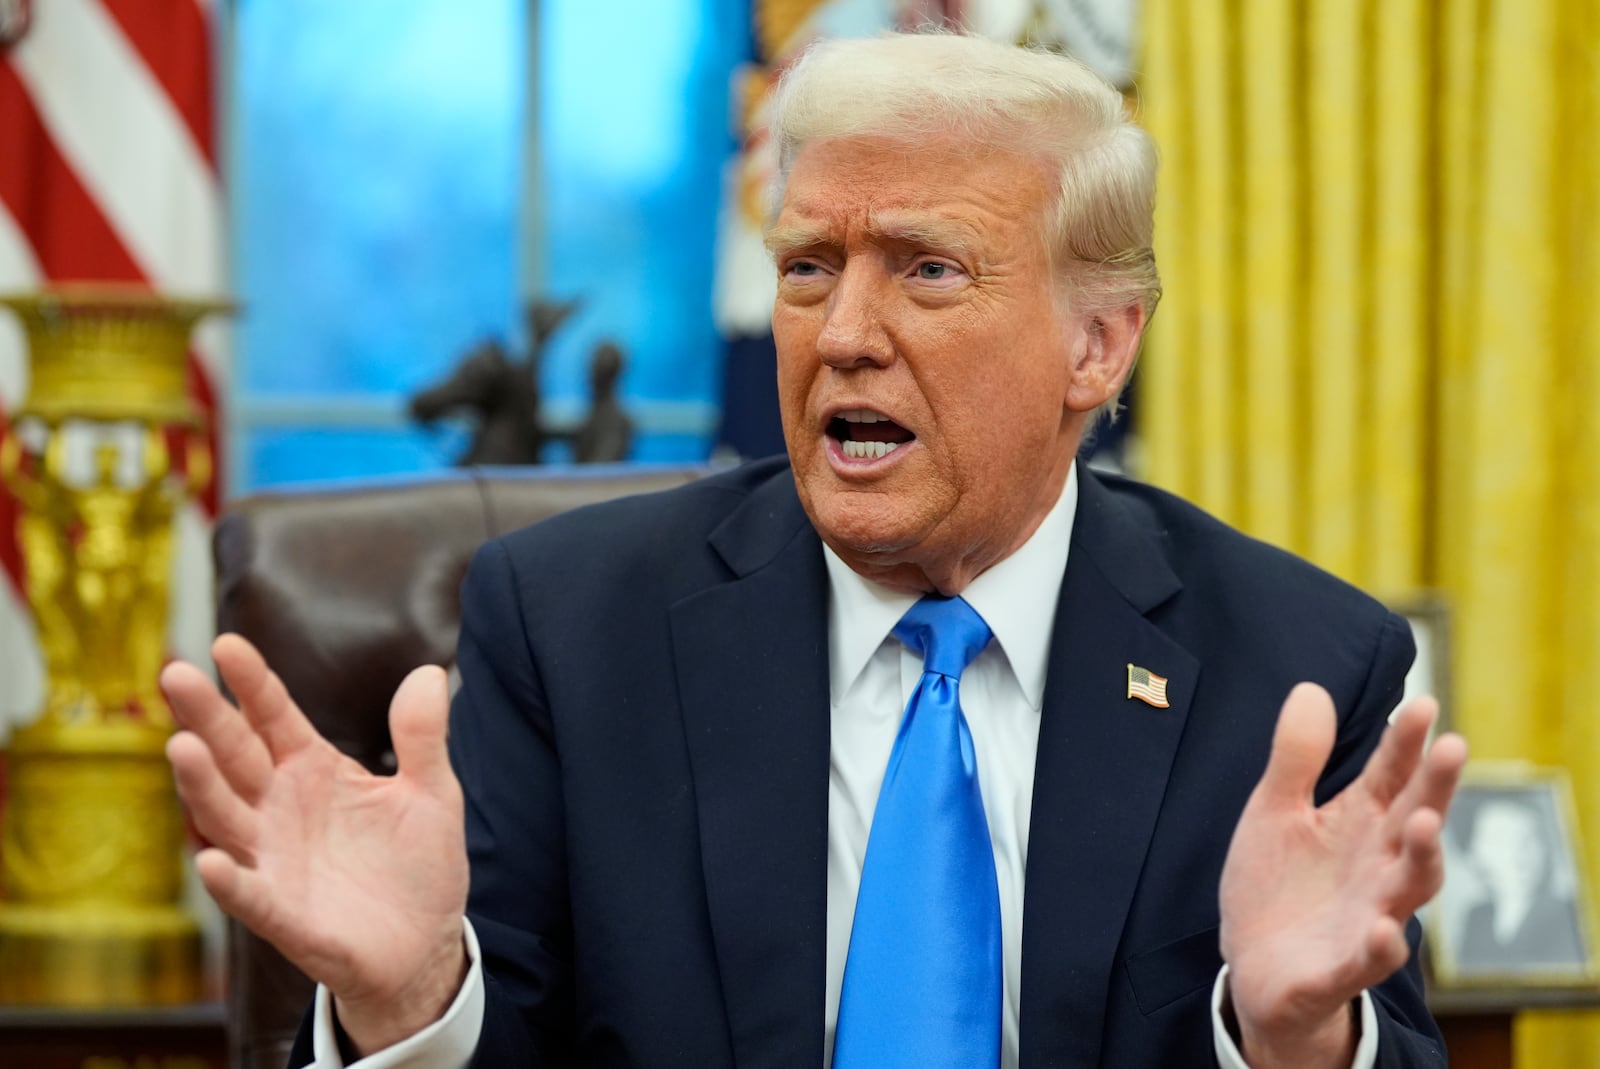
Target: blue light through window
x=377 y=168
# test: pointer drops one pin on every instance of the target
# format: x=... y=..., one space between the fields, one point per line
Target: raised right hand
x=360 y=880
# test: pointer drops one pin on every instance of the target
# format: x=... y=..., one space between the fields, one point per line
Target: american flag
x=108 y=172
x=1147 y=686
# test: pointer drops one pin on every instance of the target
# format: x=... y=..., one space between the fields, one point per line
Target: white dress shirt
x=871 y=678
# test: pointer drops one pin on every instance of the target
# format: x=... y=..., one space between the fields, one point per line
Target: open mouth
x=863 y=434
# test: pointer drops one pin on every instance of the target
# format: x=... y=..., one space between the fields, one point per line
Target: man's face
x=932 y=384
x=1508 y=846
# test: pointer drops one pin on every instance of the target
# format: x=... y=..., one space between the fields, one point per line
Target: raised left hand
x=1315 y=899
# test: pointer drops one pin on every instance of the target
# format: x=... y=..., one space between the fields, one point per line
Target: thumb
x=1301 y=745
x=419 y=719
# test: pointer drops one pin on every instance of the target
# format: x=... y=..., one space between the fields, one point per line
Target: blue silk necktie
x=922 y=981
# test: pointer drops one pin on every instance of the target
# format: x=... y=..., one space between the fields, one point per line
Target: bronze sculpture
x=502 y=394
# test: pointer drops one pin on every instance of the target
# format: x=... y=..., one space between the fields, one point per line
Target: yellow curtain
x=1379 y=228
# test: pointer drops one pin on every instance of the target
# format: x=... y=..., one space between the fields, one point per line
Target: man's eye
x=934 y=271
x=804 y=269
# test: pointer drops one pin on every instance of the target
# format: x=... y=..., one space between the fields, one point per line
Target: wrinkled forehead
x=946 y=191
x=815 y=221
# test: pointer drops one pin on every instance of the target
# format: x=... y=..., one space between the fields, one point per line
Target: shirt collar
x=1016 y=597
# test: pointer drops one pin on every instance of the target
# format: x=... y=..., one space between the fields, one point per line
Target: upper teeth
x=862 y=415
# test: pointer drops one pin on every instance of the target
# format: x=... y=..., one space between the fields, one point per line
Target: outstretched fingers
x=1301 y=745
x=1384 y=951
x=262 y=697
x=219 y=814
x=1393 y=765
x=1423 y=801
x=240 y=892
x=419 y=719
x=1434 y=786
x=238 y=751
x=1417 y=872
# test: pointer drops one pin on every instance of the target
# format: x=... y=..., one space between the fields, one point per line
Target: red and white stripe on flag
x=108 y=172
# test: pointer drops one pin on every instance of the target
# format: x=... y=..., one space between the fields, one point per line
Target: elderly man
x=922 y=747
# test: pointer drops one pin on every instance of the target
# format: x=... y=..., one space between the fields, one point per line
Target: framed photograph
x=1429 y=616
x=1515 y=910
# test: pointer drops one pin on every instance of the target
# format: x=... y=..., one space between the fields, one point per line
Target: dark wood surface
x=1477 y=1026
x=1478 y=1023
x=177 y=1037
x=1478 y=1040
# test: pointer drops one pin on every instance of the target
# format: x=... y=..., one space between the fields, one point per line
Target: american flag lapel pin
x=1147 y=687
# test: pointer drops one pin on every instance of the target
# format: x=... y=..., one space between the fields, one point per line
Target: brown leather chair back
x=345 y=590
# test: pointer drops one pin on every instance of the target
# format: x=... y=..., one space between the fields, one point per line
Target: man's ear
x=1103 y=356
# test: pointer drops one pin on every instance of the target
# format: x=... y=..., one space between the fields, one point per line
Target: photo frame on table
x=1429 y=616
x=1516 y=909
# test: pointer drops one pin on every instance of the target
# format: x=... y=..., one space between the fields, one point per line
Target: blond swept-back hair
x=908 y=86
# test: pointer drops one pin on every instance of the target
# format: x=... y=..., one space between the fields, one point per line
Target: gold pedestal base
x=91 y=842
x=94 y=955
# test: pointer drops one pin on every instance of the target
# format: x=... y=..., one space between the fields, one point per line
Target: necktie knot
x=948 y=633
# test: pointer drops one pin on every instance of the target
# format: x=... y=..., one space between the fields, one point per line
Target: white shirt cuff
x=1228 y=1056
x=447 y=1043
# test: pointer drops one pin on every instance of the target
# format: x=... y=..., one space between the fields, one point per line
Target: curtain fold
x=1379 y=235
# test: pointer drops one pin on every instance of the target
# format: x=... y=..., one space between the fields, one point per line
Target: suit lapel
x=1101 y=773
x=752 y=662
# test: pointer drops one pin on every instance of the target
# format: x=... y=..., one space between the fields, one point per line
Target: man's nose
x=853 y=333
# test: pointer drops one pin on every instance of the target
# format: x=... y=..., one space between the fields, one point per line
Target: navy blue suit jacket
x=643 y=739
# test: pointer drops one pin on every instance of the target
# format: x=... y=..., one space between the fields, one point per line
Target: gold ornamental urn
x=100 y=454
